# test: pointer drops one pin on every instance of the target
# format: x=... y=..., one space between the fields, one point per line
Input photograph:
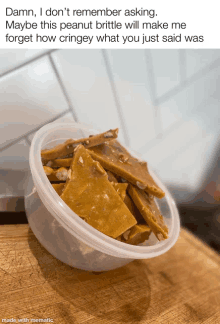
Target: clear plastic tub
x=64 y=234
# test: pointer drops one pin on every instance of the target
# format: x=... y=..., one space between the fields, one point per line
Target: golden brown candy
x=120 y=189
x=58 y=187
x=91 y=196
x=150 y=212
x=111 y=177
x=137 y=234
x=60 y=174
x=68 y=146
x=98 y=196
x=134 y=210
x=59 y=163
x=115 y=158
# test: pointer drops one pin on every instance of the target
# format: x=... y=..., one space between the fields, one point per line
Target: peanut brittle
x=56 y=175
x=97 y=172
x=120 y=189
x=115 y=158
x=137 y=234
x=111 y=177
x=57 y=163
x=92 y=197
x=150 y=212
x=58 y=187
x=68 y=146
x=134 y=210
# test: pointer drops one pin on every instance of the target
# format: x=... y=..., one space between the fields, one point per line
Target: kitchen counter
x=181 y=286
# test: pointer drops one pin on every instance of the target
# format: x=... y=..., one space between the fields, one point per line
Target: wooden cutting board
x=181 y=286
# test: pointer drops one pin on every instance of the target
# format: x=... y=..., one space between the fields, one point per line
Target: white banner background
x=201 y=19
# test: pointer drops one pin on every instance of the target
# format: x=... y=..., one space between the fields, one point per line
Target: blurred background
x=165 y=102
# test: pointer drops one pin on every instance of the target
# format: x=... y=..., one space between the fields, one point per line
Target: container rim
x=73 y=223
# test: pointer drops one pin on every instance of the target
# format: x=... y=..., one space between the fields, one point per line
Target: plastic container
x=64 y=234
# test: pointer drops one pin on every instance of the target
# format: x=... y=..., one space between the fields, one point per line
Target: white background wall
x=165 y=102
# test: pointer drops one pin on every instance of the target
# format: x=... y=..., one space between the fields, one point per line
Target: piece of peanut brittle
x=111 y=177
x=58 y=187
x=150 y=212
x=115 y=158
x=68 y=146
x=134 y=210
x=60 y=174
x=120 y=189
x=139 y=233
x=57 y=163
x=92 y=197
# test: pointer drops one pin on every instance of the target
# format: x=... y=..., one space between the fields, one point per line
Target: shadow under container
x=64 y=234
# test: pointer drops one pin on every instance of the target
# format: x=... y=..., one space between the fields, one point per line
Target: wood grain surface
x=181 y=286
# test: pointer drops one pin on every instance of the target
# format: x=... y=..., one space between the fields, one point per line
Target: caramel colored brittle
x=109 y=155
x=60 y=174
x=92 y=175
x=137 y=234
x=120 y=189
x=92 y=197
x=68 y=146
x=57 y=163
x=111 y=177
x=134 y=210
x=150 y=212
x=58 y=187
